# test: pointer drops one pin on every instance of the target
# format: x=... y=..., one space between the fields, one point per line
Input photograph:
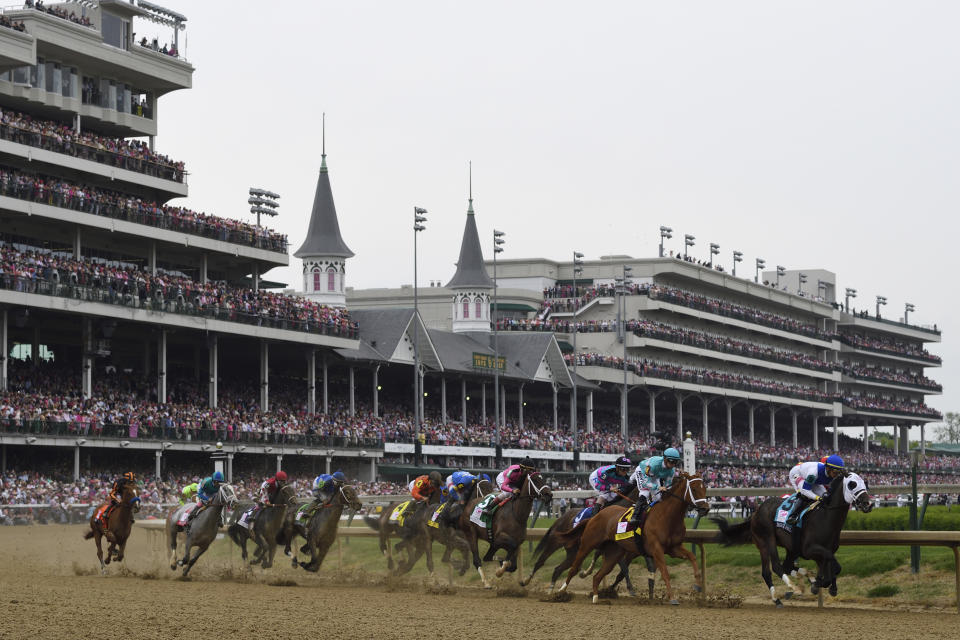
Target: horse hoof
x=698 y=588
x=779 y=604
x=833 y=590
x=814 y=589
x=583 y=574
x=632 y=592
x=788 y=595
x=675 y=602
x=487 y=586
x=596 y=598
x=287 y=553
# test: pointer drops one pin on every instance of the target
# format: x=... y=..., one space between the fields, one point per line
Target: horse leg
x=582 y=553
x=680 y=551
x=120 y=550
x=510 y=561
x=624 y=574
x=610 y=559
x=427 y=542
x=586 y=572
x=548 y=551
x=473 y=543
x=656 y=550
x=788 y=569
x=172 y=542
x=764 y=549
x=189 y=564
x=651 y=575
x=97 y=538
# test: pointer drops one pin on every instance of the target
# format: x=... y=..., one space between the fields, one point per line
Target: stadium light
x=263 y=202
x=624 y=282
x=881 y=301
x=850 y=293
x=665 y=232
x=737 y=257
x=761 y=263
x=714 y=250
x=419 y=218
x=81 y=442
x=498 y=242
x=801 y=280
x=577 y=269
x=907 y=308
x=688 y=241
x=781 y=271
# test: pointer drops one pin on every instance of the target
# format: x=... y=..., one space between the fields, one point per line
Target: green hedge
x=937 y=518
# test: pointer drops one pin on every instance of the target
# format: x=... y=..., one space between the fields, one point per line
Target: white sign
x=689 y=456
x=539 y=455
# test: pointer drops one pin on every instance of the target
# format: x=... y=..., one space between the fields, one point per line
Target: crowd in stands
x=12 y=24
x=59 y=12
x=57 y=192
x=888 y=345
x=887 y=405
x=36 y=271
x=50 y=135
x=154 y=45
x=564 y=299
x=880 y=374
x=668 y=371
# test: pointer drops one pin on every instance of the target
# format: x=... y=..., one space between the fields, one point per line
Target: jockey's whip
x=630 y=500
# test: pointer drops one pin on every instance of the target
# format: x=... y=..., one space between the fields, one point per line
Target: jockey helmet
x=484 y=476
x=218 y=476
x=339 y=477
x=435 y=478
x=671 y=454
x=281 y=476
x=129 y=476
x=317 y=482
x=623 y=461
x=528 y=464
x=834 y=462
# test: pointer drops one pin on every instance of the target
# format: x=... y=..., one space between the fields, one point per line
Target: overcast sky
x=813 y=134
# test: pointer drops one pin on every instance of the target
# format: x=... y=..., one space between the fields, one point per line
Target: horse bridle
x=538 y=490
x=688 y=493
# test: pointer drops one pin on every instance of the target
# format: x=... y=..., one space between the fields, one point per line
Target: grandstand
x=139 y=333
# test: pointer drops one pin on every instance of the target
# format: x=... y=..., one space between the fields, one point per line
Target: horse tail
x=234 y=532
x=373 y=522
x=732 y=534
x=88 y=535
x=542 y=545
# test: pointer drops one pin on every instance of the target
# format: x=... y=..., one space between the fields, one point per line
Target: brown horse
x=509 y=525
x=663 y=532
x=119 y=524
x=413 y=535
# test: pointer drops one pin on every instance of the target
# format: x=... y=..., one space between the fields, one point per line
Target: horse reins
x=688 y=492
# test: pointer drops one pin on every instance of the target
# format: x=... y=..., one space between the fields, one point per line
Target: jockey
x=208 y=488
x=609 y=479
x=116 y=495
x=326 y=486
x=459 y=485
x=652 y=476
x=425 y=486
x=811 y=480
x=510 y=481
x=269 y=489
x=189 y=492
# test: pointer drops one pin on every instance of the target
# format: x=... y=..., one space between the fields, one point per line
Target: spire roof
x=471 y=271
x=323 y=235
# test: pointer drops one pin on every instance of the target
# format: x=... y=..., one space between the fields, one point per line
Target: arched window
x=479 y=313
x=316 y=280
x=331 y=279
x=466 y=309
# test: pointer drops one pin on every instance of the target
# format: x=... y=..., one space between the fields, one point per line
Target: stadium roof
x=470 y=269
x=323 y=234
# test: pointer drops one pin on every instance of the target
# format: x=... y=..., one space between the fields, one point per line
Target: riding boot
x=638 y=510
x=802 y=503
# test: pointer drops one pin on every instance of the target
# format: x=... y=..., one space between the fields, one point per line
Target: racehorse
x=319 y=531
x=662 y=533
x=263 y=530
x=119 y=523
x=562 y=534
x=447 y=530
x=816 y=538
x=412 y=533
x=509 y=527
x=203 y=530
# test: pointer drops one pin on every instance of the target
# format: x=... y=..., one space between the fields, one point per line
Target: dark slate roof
x=382 y=331
x=323 y=235
x=471 y=271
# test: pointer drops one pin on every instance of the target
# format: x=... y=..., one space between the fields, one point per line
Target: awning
x=513 y=306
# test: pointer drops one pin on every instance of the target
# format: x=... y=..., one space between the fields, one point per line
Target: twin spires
x=471 y=285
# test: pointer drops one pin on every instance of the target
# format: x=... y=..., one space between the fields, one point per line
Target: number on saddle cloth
x=480 y=516
x=399 y=513
x=784 y=510
x=625 y=528
x=246 y=520
x=102 y=514
x=434 y=520
x=303 y=513
x=185 y=515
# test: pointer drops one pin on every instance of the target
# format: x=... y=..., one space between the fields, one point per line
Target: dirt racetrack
x=49 y=589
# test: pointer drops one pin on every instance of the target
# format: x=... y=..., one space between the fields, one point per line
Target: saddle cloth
x=434 y=520
x=585 y=514
x=303 y=514
x=245 y=520
x=624 y=529
x=182 y=520
x=479 y=517
x=101 y=512
x=783 y=512
x=399 y=513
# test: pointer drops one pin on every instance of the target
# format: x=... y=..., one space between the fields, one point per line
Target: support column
x=483 y=402
x=624 y=427
x=162 y=366
x=279 y=463
x=836 y=435
x=773 y=426
x=76 y=463
x=816 y=431
x=866 y=436
x=4 y=347
x=897 y=429
x=373 y=470
x=213 y=369
x=77 y=244
x=353 y=394
x=265 y=380
x=793 y=415
x=147 y=360
x=556 y=415
x=255 y=276
x=503 y=405
x=463 y=401
x=520 y=404
x=729 y=421
x=152 y=258
x=443 y=399
x=706 y=430
x=423 y=396
x=86 y=372
x=204 y=276
x=326 y=380
x=573 y=418
x=230 y=468
x=329 y=465
x=312 y=382
x=679 y=418
x=376 y=391
x=158 y=457
x=923 y=439
x=589 y=412
x=750 y=421
x=653 y=410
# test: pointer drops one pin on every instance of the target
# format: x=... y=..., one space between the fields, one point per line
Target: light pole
x=781 y=271
x=907 y=308
x=881 y=301
x=688 y=241
x=262 y=202
x=850 y=293
x=714 y=250
x=497 y=248
x=737 y=257
x=801 y=280
x=761 y=263
x=821 y=286
x=577 y=269
x=665 y=232
x=622 y=284
x=418 y=219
